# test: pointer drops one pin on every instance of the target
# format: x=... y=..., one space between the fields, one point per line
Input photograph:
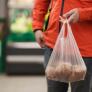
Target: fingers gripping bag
x=66 y=63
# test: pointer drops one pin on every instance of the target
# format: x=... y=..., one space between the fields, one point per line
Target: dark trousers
x=80 y=86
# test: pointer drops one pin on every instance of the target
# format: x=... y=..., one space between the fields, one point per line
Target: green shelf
x=21 y=37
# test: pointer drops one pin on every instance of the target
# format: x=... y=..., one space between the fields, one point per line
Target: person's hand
x=39 y=37
x=72 y=16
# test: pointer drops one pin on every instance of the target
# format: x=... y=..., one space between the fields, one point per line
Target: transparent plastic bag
x=66 y=63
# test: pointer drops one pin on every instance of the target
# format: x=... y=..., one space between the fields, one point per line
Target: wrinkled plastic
x=66 y=63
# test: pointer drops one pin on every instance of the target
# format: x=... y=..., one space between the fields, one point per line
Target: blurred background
x=21 y=58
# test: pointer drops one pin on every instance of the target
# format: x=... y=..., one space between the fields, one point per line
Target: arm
x=39 y=11
x=85 y=14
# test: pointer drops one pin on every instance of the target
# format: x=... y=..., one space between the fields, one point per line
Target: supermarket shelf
x=24 y=58
x=24 y=69
x=23 y=45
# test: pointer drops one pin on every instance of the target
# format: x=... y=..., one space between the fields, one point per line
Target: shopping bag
x=66 y=63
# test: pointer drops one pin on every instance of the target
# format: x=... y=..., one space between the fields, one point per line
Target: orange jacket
x=82 y=30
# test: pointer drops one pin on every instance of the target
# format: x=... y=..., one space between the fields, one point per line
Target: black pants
x=81 y=86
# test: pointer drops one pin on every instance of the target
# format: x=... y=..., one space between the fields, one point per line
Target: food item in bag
x=78 y=73
x=50 y=72
x=63 y=70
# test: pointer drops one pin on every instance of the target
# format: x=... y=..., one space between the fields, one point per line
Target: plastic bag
x=66 y=63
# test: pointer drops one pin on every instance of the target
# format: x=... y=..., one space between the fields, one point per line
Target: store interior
x=17 y=44
x=21 y=58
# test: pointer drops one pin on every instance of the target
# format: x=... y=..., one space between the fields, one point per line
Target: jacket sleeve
x=85 y=14
x=39 y=11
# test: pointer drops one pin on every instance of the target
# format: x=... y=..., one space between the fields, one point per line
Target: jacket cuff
x=36 y=30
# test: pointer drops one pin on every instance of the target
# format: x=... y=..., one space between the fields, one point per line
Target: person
x=79 y=15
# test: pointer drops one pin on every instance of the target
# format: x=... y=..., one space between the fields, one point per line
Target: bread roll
x=77 y=74
x=50 y=72
x=63 y=70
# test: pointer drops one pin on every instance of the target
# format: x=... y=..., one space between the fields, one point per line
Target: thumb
x=42 y=41
x=71 y=18
x=42 y=37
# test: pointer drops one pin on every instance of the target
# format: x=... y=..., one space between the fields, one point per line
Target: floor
x=22 y=84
